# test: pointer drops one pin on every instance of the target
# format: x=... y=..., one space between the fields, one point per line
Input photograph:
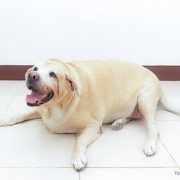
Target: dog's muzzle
x=38 y=96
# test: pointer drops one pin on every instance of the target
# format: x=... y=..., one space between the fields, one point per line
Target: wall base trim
x=17 y=72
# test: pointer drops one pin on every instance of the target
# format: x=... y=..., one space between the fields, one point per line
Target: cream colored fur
x=90 y=94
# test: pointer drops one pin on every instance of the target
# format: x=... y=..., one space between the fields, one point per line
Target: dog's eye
x=52 y=74
x=35 y=69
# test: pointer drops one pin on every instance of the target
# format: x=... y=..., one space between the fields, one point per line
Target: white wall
x=143 y=31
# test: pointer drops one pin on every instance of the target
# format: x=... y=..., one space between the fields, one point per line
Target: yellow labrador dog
x=78 y=97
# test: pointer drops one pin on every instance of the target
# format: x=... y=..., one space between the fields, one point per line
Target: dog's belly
x=135 y=114
x=53 y=119
x=56 y=125
x=56 y=122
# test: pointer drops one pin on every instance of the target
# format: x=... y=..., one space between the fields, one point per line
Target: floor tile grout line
x=169 y=153
x=171 y=167
x=79 y=175
x=13 y=96
x=33 y=167
x=169 y=120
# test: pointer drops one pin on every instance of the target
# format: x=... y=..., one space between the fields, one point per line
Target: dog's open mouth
x=37 y=98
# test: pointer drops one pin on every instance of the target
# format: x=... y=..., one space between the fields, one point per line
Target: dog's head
x=49 y=81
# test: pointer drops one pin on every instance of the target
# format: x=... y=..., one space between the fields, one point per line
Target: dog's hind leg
x=118 y=123
x=147 y=103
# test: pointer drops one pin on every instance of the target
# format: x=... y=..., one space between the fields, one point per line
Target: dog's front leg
x=89 y=134
x=29 y=115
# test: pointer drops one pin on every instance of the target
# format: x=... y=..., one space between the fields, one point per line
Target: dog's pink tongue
x=34 y=98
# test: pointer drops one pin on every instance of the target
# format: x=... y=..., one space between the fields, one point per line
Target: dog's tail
x=167 y=104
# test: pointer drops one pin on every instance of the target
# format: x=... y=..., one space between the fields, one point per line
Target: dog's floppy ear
x=72 y=84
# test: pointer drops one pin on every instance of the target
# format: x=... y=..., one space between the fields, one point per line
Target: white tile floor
x=29 y=151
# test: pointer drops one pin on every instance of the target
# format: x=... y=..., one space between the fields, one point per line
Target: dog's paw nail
x=150 y=149
x=79 y=162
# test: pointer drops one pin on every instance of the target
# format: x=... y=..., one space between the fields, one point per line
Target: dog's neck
x=67 y=101
x=67 y=105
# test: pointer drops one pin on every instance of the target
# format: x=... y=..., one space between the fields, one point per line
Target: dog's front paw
x=4 y=121
x=79 y=162
x=150 y=149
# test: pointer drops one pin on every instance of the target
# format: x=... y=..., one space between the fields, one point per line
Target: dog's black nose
x=34 y=76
